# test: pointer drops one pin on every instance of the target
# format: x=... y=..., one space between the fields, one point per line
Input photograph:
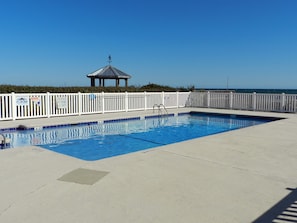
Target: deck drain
x=83 y=176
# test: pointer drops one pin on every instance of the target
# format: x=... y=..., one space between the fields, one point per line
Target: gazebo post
x=99 y=82
x=92 y=82
x=126 y=82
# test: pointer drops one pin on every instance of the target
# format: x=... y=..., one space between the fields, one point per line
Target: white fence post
x=79 y=103
x=102 y=102
x=13 y=106
x=177 y=99
x=254 y=101
x=145 y=101
x=231 y=100
x=163 y=97
x=283 y=102
x=126 y=102
x=47 y=104
x=208 y=99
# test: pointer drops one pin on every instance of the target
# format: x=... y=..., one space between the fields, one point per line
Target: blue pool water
x=112 y=138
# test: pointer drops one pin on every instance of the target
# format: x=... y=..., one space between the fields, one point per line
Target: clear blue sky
x=250 y=43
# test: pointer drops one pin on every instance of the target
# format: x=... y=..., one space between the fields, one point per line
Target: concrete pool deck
x=247 y=175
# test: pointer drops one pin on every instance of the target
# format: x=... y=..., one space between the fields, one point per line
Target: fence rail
x=24 y=106
x=244 y=101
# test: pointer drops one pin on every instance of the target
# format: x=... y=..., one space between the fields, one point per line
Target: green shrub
x=43 y=89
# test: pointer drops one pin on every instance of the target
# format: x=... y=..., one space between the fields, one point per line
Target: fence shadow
x=285 y=211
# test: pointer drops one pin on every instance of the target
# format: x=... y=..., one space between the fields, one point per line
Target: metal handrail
x=164 y=108
x=160 y=106
x=4 y=141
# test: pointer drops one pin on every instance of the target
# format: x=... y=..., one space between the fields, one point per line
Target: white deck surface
x=233 y=177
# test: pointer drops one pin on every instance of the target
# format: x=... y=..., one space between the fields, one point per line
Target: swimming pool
x=94 y=141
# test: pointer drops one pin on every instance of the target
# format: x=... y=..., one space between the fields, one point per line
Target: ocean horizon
x=252 y=90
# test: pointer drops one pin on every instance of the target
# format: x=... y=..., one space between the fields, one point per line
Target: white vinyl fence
x=244 y=101
x=24 y=106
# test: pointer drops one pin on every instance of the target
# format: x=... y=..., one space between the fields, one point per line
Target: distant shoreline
x=251 y=90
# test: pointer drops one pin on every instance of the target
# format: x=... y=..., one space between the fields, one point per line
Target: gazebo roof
x=109 y=72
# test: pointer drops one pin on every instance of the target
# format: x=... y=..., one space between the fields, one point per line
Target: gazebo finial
x=109 y=59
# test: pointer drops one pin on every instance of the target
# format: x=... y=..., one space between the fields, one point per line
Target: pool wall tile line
x=38 y=128
x=168 y=115
x=158 y=116
x=183 y=113
x=121 y=119
x=71 y=124
x=8 y=129
x=254 y=117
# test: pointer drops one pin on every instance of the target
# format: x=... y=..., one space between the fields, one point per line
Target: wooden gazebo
x=108 y=72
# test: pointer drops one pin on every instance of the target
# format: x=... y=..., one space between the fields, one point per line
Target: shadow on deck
x=285 y=211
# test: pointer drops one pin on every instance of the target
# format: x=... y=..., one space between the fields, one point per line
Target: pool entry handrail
x=4 y=141
x=162 y=111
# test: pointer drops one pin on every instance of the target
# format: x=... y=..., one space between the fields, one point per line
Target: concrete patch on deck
x=83 y=176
